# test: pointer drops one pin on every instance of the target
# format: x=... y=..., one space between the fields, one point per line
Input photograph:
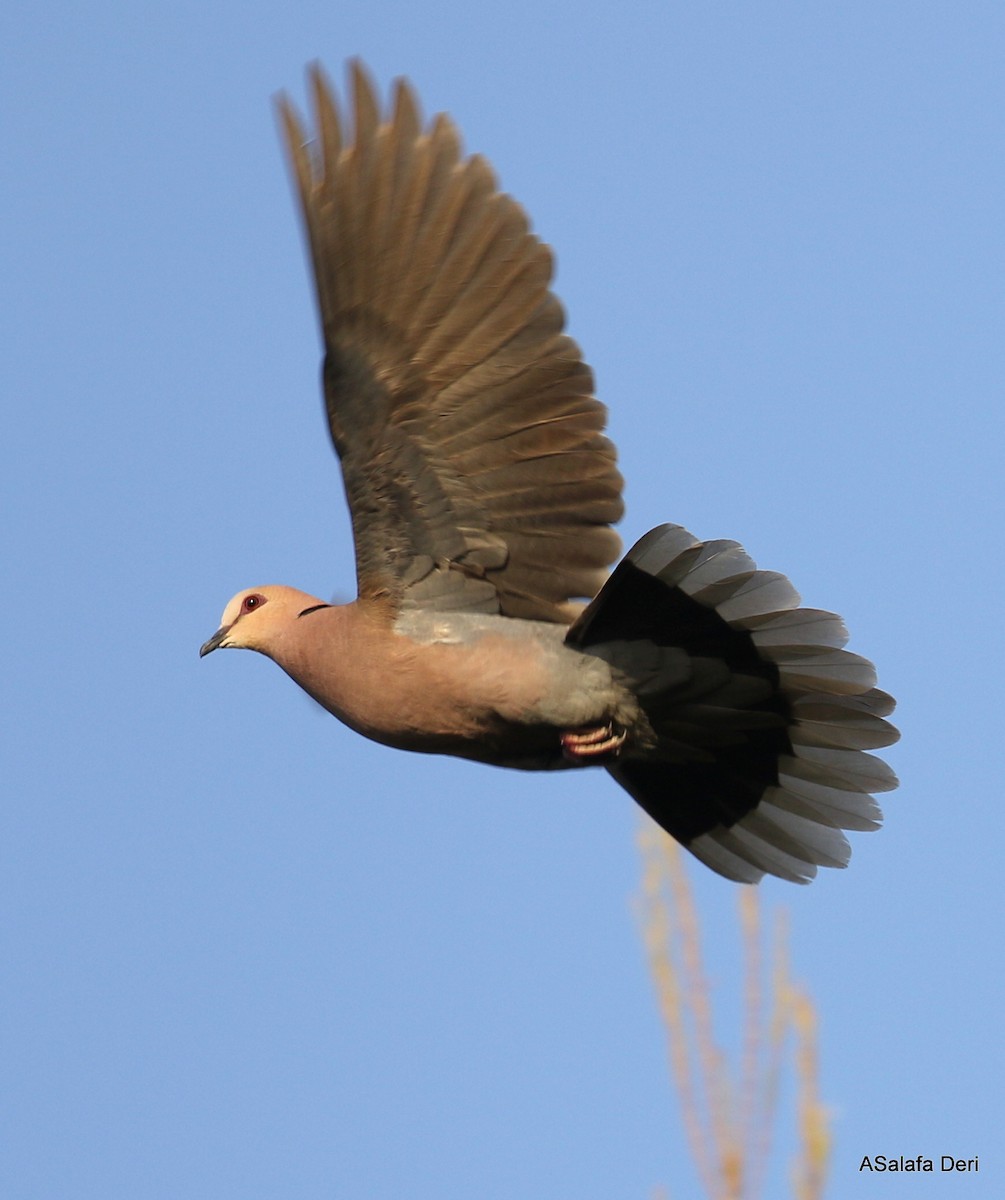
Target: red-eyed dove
x=482 y=493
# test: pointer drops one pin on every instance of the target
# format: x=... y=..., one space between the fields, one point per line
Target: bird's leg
x=582 y=745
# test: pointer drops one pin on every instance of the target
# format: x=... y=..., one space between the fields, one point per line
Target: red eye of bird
x=252 y=602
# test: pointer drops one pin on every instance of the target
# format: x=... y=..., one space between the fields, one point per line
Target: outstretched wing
x=472 y=449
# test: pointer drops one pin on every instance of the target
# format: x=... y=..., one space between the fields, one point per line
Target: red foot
x=585 y=744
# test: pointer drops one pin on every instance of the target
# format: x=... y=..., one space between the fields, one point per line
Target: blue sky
x=247 y=954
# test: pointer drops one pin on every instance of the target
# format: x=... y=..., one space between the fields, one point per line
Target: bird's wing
x=472 y=449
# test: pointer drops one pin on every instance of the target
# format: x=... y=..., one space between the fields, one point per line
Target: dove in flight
x=482 y=492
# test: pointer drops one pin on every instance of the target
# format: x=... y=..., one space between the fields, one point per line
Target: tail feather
x=762 y=718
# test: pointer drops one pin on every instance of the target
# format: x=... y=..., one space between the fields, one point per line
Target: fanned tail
x=762 y=718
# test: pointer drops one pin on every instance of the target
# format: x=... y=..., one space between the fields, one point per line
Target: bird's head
x=258 y=618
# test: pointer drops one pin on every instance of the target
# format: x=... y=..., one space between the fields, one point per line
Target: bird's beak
x=215 y=641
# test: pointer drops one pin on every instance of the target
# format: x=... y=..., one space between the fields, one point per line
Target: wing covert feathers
x=472 y=448
x=761 y=759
